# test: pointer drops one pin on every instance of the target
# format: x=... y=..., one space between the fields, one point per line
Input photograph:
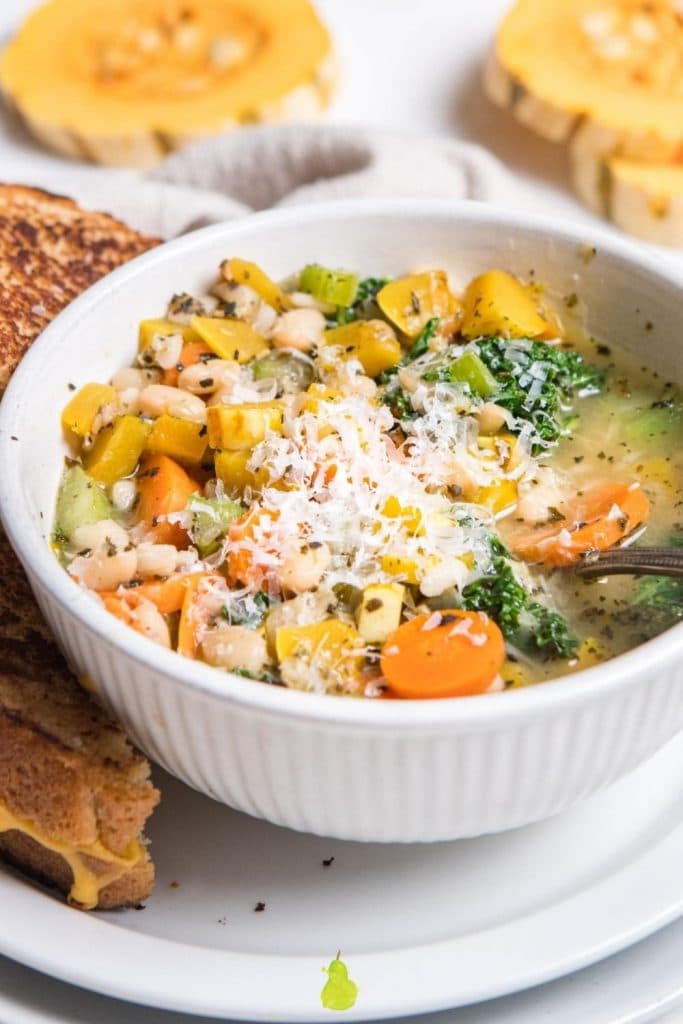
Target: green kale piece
x=364 y=302
x=526 y=623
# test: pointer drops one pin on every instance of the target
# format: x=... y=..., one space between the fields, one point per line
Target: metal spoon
x=632 y=561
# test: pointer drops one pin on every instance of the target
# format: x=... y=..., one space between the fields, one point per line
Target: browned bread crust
x=50 y=251
x=65 y=766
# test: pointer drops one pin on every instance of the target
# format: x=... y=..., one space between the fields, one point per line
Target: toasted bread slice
x=50 y=251
x=74 y=794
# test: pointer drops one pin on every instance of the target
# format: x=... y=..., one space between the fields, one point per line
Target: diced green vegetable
x=364 y=304
x=292 y=373
x=338 y=287
x=211 y=520
x=662 y=420
x=469 y=369
x=80 y=502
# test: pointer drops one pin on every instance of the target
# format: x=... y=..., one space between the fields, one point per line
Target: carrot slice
x=191 y=353
x=167 y=595
x=164 y=487
x=598 y=519
x=453 y=653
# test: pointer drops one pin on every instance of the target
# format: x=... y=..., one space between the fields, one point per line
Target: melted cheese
x=87 y=882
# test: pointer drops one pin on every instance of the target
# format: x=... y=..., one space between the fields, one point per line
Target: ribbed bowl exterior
x=404 y=785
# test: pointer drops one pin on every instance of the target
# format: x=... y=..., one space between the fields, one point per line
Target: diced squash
x=379 y=612
x=79 y=415
x=372 y=342
x=149 y=329
x=230 y=339
x=250 y=274
x=410 y=514
x=238 y=428
x=408 y=569
x=117 y=450
x=409 y=302
x=496 y=303
x=498 y=496
x=181 y=439
x=154 y=75
x=330 y=645
x=231 y=470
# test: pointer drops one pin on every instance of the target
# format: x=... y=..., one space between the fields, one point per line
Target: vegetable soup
x=374 y=488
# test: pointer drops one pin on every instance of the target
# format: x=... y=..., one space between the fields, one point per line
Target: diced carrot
x=164 y=487
x=193 y=615
x=452 y=653
x=253 y=526
x=598 y=519
x=191 y=353
x=166 y=594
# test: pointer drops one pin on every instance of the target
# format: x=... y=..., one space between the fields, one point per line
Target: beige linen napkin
x=275 y=166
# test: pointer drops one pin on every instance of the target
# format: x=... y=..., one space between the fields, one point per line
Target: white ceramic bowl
x=386 y=771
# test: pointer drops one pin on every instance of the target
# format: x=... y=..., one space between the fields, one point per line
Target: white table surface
x=416 y=67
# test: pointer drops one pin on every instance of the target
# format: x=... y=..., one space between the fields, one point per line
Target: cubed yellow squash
x=379 y=611
x=410 y=514
x=117 y=450
x=231 y=470
x=239 y=427
x=330 y=640
x=372 y=342
x=79 y=415
x=498 y=496
x=229 y=339
x=179 y=439
x=149 y=329
x=496 y=303
x=411 y=301
x=250 y=274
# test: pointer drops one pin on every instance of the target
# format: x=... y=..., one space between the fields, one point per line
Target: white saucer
x=420 y=927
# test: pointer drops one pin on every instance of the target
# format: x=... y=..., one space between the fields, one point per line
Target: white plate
x=638 y=985
x=420 y=927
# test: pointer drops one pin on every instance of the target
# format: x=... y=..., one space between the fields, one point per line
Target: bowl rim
x=487 y=712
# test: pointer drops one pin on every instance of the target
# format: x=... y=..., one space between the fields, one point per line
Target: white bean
x=246 y=304
x=491 y=418
x=134 y=377
x=158 y=399
x=151 y=623
x=442 y=577
x=156 y=559
x=205 y=378
x=96 y=536
x=304 y=569
x=102 y=571
x=129 y=402
x=123 y=494
x=232 y=647
x=299 y=329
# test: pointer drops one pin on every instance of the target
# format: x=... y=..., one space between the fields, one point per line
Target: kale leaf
x=561 y=374
x=526 y=623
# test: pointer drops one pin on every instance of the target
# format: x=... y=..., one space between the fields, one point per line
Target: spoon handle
x=632 y=561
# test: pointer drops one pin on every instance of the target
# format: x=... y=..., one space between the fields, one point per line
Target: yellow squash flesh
x=123 y=82
x=614 y=64
x=497 y=303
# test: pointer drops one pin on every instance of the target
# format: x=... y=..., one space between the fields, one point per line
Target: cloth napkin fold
x=282 y=165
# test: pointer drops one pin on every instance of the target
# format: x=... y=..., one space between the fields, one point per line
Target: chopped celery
x=80 y=502
x=211 y=520
x=470 y=369
x=338 y=287
x=291 y=372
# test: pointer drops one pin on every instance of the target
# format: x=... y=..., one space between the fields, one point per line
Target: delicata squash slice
x=613 y=64
x=121 y=82
x=644 y=199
